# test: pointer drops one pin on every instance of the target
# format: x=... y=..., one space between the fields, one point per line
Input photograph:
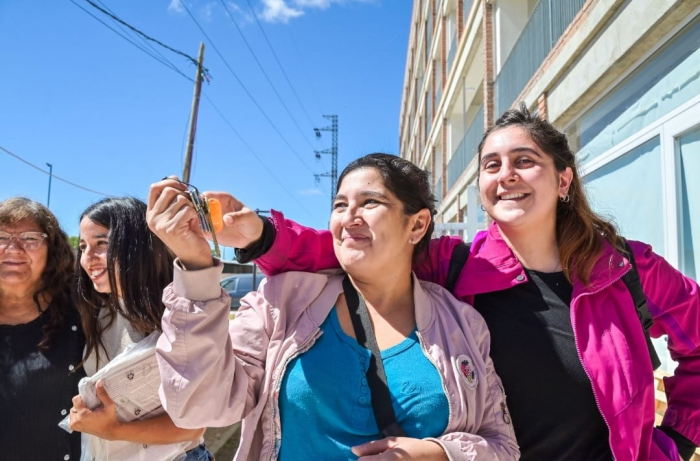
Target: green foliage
x=73 y=241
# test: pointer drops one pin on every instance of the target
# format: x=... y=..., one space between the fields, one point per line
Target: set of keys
x=209 y=213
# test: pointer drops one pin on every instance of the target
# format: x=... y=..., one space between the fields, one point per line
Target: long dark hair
x=408 y=182
x=137 y=261
x=578 y=228
x=58 y=273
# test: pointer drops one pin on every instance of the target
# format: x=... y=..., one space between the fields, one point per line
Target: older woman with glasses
x=41 y=341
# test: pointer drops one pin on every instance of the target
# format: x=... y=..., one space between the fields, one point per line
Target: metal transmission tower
x=333 y=151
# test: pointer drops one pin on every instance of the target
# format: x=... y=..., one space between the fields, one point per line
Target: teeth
x=511 y=196
x=96 y=273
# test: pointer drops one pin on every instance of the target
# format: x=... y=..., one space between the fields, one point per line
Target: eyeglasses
x=27 y=240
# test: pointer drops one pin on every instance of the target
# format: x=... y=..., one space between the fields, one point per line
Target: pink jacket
x=609 y=338
x=215 y=373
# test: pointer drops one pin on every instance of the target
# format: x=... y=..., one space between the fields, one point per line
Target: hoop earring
x=482 y=207
x=565 y=199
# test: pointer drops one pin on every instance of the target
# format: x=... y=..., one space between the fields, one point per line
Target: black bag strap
x=459 y=257
x=634 y=285
x=376 y=378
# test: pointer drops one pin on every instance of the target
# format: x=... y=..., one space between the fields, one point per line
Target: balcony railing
x=452 y=53
x=438 y=192
x=466 y=150
x=547 y=23
x=465 y=10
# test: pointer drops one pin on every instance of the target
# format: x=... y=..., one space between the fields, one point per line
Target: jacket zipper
x=442 y=378
x=504 y=408
x=580 y=357
x=277 y=382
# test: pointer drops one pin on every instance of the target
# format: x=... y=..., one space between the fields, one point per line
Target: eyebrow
x=366 y=193
x=98 y=236
x=512 y=151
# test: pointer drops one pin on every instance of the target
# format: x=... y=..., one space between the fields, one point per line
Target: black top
x=554 y=412
x=36 y=388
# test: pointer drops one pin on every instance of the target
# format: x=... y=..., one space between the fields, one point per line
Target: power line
x=279 y=63
x=230 y=125
x=274 y=127
x=172 y=67
x=148 y=44
x=205 y=71
x=163 y=62
x=267 y=77
x=53 y=175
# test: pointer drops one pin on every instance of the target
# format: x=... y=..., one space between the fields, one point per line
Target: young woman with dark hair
x=291 y=366
x=121 y=271
x=547 y=278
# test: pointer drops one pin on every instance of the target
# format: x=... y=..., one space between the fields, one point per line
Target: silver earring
x=565 y=199
x=482 y=207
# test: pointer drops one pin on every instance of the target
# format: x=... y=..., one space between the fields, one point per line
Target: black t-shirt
x=550 y=398
x=36 y=388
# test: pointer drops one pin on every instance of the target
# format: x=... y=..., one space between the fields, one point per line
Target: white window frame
x=668 y=128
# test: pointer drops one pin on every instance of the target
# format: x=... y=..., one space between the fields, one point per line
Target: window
x=689 y=199
x=628 y=189
x=661 y=84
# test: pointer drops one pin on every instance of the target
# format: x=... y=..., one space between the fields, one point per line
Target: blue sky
x=112 y=119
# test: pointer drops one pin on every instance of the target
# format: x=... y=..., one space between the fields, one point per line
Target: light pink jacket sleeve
x=211 y=373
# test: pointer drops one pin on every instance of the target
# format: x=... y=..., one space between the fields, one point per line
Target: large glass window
x=689 y=199
x=627 y=190
x=661 y=84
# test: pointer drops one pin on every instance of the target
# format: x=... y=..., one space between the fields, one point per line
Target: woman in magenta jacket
x=546 y=276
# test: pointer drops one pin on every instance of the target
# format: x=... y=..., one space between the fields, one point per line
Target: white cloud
x=310 y=192
x=176 y=7
x=284 y=10
x=245 y=16
x=278 y=11
x=207 y=11
x=322 y=4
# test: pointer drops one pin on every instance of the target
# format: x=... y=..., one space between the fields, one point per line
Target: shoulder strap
x=634 y=285
x=376 y=377
x=459 y=257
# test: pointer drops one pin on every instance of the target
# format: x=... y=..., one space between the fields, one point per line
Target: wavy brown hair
x=58 y=273
x=579 y=229
x=137 y=261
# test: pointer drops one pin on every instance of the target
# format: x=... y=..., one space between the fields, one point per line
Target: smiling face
x=518 y=182
x=20 y=269
x=93 y=246
x=370 y=230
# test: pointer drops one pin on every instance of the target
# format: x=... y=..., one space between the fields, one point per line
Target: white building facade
x=620 y=77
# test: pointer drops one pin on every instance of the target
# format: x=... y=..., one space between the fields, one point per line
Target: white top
x=118 y=337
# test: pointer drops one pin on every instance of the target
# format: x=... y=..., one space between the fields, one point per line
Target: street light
x=48 y=200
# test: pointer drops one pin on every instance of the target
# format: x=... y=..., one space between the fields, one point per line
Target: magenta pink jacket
x=214 y=373
x=608 y=334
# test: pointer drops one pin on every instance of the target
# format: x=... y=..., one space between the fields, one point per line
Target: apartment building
x=620 y=77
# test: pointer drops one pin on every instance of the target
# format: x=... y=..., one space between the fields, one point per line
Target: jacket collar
x=492 y=266
x=319 y=308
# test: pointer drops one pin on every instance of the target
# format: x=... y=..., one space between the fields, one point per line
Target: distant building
x=620 y=77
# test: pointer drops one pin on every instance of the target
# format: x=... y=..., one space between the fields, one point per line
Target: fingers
x=102 y=394
x=375 y=447
x=78 y=403
x=156 y=189
x=229 y=203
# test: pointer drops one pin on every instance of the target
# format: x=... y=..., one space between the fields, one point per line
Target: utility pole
x=48 y=200
x=333 y=151
x=193 y=115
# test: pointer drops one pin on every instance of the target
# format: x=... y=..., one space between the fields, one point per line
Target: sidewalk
x=223 y=441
